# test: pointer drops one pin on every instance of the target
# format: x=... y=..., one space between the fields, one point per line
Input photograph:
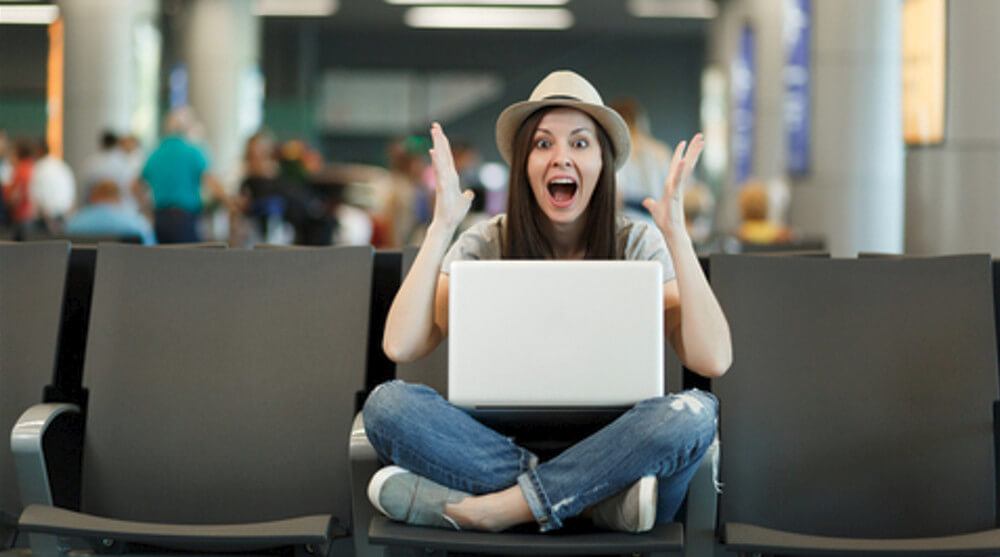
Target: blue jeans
x=412 y=426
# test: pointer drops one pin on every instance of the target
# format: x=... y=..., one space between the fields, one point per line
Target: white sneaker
x=632 y=510
x=406 y=497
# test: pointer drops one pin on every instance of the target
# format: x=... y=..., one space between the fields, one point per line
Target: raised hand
x=451 y=204
x=668 y=212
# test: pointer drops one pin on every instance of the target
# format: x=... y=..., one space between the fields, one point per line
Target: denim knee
x=693 y=417
x=384 y=405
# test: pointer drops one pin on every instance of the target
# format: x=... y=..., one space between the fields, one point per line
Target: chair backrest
x=386 y=277
x=432 y=369
x=860 y=400
x=32 y=280
x=222 y=382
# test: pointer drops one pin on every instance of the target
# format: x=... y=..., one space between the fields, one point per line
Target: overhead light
x=295 y=8
x=489 y=18
x=478 y=2
x=689 y=9
x=21 y=14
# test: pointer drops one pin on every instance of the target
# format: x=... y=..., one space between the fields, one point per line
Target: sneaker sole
x=647 y=512
x=378 y=480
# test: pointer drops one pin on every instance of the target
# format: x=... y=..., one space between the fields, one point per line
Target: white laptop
x=554 y=334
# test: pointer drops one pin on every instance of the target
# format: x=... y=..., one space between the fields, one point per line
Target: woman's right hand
x=451 y=204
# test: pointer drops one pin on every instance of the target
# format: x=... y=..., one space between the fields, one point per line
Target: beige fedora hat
x=570 y=89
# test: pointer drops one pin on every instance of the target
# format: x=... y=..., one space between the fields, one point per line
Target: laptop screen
x=555 y=333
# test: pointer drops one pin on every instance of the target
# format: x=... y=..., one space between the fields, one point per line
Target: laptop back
x=555 y=333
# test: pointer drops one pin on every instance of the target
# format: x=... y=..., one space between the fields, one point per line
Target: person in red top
x=17 y=192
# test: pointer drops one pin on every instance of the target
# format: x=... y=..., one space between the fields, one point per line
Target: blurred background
x=845 y=125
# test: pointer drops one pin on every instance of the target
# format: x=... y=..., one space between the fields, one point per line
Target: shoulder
x=633 y=235
x=640 y=240
x=481 y=241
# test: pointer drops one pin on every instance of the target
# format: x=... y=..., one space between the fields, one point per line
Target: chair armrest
x=314 y=531
x=748 y=538
x=364 y=464
x=27 y=444
x=702 y=506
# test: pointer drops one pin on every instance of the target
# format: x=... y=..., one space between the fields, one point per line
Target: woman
x=563 y=146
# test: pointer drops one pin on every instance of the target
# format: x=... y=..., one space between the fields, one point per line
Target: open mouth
x=562 y=191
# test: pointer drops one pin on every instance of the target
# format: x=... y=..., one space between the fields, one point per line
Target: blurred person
x=174 y=174
x=648 y=164
x=110 y=162
x=309 y=198
x=135 y=158
x=53 y=190
x=6 y=172
x=17 y=191
x=699 y=213
x=468 y=164
x=6 y=168
x=261 y=192
x=107 y=215
x=757 y=226
x=398 y=217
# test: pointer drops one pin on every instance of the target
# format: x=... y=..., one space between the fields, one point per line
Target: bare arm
x=693 y=319
x=418 y=318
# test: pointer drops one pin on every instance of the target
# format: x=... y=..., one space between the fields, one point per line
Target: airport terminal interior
x=232 y=235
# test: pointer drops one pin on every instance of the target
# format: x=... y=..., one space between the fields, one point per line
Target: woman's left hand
x=668 y=212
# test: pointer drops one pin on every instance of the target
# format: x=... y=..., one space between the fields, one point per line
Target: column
x=854 y=196
x=102 y=71
x=221 y=50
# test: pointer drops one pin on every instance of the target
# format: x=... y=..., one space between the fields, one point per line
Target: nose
x=561 y=160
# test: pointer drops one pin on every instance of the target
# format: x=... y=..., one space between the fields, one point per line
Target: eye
x=543 y=143
x=581 y=143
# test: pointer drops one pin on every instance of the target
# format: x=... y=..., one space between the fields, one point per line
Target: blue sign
x=797 y=34
x=743 y=76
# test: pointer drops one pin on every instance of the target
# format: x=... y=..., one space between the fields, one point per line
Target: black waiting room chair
x=32 y=285
x=386 y=537
x=859 y=415
x=220 y=382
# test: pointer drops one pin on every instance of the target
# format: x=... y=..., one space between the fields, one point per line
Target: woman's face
x=564 y=164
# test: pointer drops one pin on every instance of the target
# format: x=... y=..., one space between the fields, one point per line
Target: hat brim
x=513 y=116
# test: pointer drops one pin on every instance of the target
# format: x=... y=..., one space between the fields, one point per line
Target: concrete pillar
x=952 y=198
x=102 y=88
x=855 y=195
x=221 y=50
x=765 y=19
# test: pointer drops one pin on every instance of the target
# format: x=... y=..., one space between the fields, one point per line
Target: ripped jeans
x=414 y=427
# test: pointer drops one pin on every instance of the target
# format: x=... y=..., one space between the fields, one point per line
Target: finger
x=692 y=155
x=676 y=177
x=441 y=156
x=675 y=164
x=650 y=205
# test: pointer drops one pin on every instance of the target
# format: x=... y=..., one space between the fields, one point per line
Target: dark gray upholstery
x=663 y=538
x=32 y=279
x=860 y=401
x=305 y=530
x=222 y=383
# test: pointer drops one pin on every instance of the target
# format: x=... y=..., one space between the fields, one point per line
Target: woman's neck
x=567 y=240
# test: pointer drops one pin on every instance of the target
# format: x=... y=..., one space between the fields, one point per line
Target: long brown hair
x=524 y=231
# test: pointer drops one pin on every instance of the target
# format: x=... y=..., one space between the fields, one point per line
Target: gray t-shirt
x=638 y=241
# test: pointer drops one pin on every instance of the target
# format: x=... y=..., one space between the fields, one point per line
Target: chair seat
x=306 y=530
x=662 y=538
x=756 y=539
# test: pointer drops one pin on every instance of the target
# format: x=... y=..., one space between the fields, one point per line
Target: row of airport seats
x=221 y=387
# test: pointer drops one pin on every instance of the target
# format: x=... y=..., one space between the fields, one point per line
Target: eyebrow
x=576 y=131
